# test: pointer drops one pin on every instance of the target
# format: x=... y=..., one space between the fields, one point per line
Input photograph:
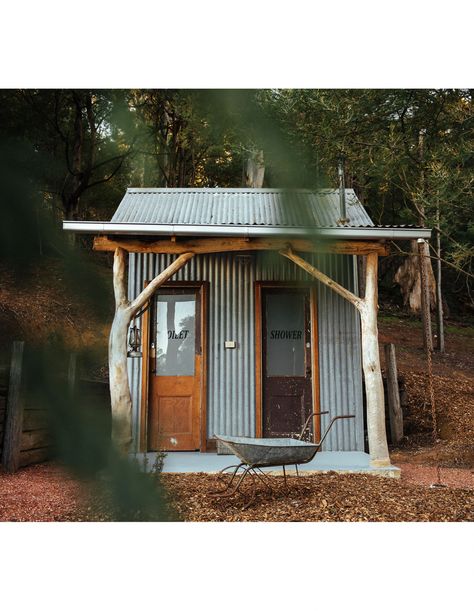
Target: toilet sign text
x=183 y=334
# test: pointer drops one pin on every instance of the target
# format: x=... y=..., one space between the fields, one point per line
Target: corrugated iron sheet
x=231 y=373
x=246 y=207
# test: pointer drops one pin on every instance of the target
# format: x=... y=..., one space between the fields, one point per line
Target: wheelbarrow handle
x=333 y=420
x=330 y=424
x=308 y=419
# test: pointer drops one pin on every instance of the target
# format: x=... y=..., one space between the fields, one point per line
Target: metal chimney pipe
x=342 y=192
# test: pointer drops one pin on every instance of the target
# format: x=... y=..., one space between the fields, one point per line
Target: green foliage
x=408 y=153
x=409 y=156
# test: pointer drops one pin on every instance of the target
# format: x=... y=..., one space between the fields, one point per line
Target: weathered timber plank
x=34 y=419
x=393 y=394
x=30 y=440
x=216 y=245
x=14 y=415
x=32 y=457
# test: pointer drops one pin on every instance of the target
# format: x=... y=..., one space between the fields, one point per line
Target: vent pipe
x=342 y=192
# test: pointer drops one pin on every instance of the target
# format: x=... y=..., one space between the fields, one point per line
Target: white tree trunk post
x=255 y=171
x=120 y=396
x=367 y=308
x=375 y=400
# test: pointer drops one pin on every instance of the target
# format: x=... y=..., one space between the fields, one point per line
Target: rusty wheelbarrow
x=258 y=453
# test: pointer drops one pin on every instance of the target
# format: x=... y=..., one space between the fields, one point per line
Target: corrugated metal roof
x=244 y=207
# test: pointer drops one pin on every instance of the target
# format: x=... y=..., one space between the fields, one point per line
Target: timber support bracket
x=367 y=308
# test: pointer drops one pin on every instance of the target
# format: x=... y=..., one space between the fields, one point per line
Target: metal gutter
x=349 y=233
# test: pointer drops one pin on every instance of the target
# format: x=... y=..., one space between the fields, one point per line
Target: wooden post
x=367 y=308
x=14 y=413
x=379 y=456
x=121 y=400
x=394 y=408
x=424 y=262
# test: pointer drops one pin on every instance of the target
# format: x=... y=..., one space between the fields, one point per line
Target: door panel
x=287 y=384
x=175 y=369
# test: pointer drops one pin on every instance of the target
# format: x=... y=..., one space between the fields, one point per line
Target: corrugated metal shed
x=241 y=207
x=231 y=373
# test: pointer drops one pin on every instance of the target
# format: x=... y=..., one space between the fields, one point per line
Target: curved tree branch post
x=367 y=308
x=120 y=396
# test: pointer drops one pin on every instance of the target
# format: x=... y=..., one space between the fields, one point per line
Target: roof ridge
x=228 y=190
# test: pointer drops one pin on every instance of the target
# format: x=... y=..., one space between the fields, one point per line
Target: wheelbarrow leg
x=297 y=472
x=229 y=484
x=230 y=491
x=237 y=467
x=254 y=490
x=264 y=477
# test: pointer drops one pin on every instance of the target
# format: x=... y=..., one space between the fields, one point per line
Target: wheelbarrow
x=258 y=453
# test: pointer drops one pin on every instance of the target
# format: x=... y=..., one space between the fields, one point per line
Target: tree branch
x=106 y=179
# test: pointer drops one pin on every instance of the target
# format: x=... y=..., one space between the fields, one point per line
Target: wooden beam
x=216 y=245
x=313 y=271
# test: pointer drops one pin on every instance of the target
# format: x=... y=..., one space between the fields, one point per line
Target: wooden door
x=287 y=363
x=175 y=370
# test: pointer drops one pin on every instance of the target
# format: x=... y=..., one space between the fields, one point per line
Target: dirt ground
x=453 y=381
x=40 y=306
x=48 y=493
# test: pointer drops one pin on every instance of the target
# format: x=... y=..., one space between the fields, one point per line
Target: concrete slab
x=200 y=462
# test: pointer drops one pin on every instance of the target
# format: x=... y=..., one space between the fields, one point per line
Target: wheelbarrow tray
x=269 y=452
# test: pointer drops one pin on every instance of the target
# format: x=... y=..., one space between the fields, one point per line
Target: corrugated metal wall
x=231 y=316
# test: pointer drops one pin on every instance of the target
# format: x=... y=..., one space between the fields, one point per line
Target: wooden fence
x=25 y=438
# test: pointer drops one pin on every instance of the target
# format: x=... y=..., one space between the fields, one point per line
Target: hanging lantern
x=134 y=342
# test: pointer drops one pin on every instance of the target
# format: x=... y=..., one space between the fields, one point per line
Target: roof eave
x=251 y=231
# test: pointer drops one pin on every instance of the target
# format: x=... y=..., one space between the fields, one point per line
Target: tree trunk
x=367 y=308
x=120 y=396
x=255 y=171
x=372 y=370
x=426 y=300
x=439 y=292
x=409 y=279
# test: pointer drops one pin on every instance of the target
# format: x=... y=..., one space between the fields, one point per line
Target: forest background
x=409 y=155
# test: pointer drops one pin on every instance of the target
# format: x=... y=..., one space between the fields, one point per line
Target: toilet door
x=175 y=370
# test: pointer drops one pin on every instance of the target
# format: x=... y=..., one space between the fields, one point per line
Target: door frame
x=202 y=287
x=260 y=286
